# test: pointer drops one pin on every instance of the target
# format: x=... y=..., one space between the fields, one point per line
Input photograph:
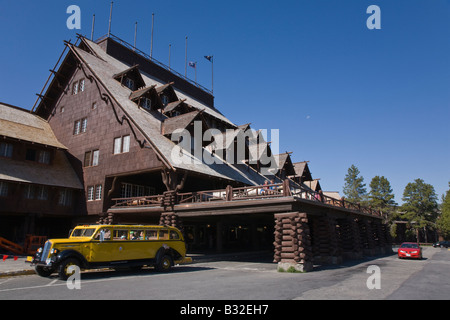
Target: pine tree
x=420 y=205
x=380 y=195
x=354 y=188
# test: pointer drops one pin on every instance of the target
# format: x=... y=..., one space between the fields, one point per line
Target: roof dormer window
x=146 y=103
x=164 y=100
x=130 y=78
x=129 y=83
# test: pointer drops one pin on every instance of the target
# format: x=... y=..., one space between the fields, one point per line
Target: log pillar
x=171 y=219
x=366 y=233
x=325 y=239
x=292 y=243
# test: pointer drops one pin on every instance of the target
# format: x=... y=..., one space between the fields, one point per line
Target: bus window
x=174 y=235
x=120 y=234
x=103 y=235
x=163 y=234
x=136 y=234
x=151 y=234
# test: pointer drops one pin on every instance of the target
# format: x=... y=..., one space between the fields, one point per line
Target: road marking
x=51 y=283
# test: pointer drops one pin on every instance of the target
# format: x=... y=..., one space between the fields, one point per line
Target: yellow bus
x=112 y=246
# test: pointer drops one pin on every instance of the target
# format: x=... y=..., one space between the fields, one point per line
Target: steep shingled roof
x=104 y=67
x=23 y=125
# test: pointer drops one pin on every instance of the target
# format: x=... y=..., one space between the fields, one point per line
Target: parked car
x=410 y=250
x=111 y=246
x=441 y=244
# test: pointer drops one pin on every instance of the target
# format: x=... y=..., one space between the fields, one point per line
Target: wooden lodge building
x=114 y=113
x=40 y=192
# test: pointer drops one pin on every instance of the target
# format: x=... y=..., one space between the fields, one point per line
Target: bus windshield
x=88 y=232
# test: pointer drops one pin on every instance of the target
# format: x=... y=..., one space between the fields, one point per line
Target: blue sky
x=340 y=94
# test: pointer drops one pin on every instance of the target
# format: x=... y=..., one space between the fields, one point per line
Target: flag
x=209 y=58
x=192 y=64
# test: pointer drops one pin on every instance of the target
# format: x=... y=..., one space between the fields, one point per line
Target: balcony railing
x=269 y=191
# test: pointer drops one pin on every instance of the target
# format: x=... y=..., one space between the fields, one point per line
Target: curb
x=16 y=273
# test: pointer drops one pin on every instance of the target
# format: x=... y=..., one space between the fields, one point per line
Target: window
x=174 y=235
x=151 y=234
x=122 y=144
x=44 y=157
x=98 y=192
x=61 y=110
x=36 y=192
x=75 y=88
x=120 y=235
x=83 y=124
x=78 y=86
x=87 y=158
x=133 y=190
x=65 y=197
x=136 y=234
x=117 y=145
x=42 y=193
x=91 y=158
x=103 y=235
x=94 y=106
x=3 y=189
x=126 y=144
x=146 y=103
x=81 y=85
x=129 y=83
x=163 y=234
x=80 y=126
x=6 y=149
x=95 y=155
x=76 y=127
x=164 y=100
x=90 y=193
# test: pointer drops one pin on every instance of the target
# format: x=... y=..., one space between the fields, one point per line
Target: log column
x=366 y=233
x=292 y=243
x=326 y=248
x=171 y=219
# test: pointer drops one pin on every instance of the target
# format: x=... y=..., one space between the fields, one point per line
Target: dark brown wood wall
x=102 y=127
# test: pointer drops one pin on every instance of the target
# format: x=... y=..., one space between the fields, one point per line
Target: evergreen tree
x=380 y=196
x=443 y=223
x=420 y=205
x=354 y=188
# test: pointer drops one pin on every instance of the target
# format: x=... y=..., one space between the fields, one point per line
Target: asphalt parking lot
x=248 y=279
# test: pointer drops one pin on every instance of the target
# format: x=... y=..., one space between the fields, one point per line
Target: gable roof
x=21 y=124
x=140 y=92
x=179 y=122
x=302 y=170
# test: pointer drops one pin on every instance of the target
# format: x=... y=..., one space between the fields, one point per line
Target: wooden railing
x=276 y=190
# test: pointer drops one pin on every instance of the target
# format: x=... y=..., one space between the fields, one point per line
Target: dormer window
x=130 y=78
x=146 y=103
x=146 y=98
x=129 y=83
x=164 y=100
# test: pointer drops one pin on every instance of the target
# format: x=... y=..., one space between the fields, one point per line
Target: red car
x=410 y=250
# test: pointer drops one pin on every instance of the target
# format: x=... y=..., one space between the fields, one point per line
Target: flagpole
x=93 y=25
x=135 y=34
x=185 y=60
x=151 y=42
x=170 y=47
x=212 y=74
x=110 y=18
x=211 y=59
